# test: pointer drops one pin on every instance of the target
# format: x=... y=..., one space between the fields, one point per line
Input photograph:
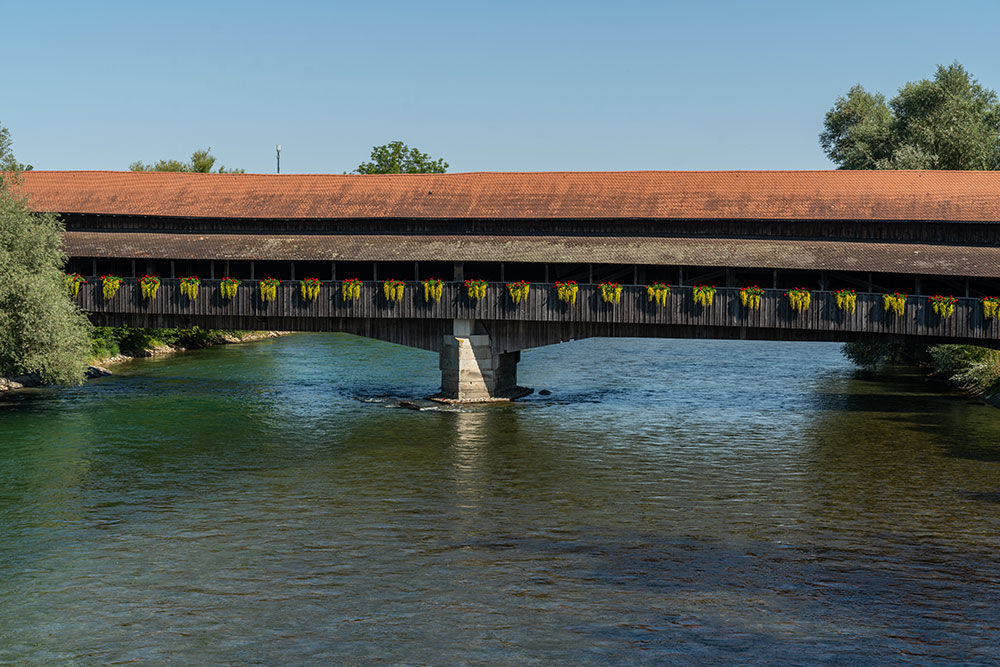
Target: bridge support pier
x=472 y=373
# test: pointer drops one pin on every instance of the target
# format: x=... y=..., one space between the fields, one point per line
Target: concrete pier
x=470 y=370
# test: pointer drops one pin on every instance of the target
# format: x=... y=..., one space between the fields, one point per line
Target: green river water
x=672 y=502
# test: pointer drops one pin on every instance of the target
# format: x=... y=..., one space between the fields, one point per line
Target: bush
x=970 y=368
x=876 y=355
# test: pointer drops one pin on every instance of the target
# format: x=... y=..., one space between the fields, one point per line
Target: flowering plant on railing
x=228 y=287
x=476 y=288
x=189 y=287
x=847 y=299
x=350 y=289
x=150 y=285
x=894 y=303
x=799 y=298
x=991 y=307
x=269 y=289
x=658 y=292
x=703 y=294
x=566 y=291
x=944 y=306
x=610 y=292
x=73 y=282
x=433 y=288
x=110 y=285
x=309 y=289
x=393 y=289
x=519 y=290
x=750 y=297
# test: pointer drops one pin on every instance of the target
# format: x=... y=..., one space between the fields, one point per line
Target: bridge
x=919 y=233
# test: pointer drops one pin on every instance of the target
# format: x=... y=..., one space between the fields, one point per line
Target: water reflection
x=673 y=502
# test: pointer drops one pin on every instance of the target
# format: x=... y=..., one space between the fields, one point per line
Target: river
x=672 y=502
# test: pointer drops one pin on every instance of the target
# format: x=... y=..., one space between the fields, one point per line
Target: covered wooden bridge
x=919 y=233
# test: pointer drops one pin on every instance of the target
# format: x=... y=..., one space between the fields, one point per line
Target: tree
x=950 y=122
x=201 y=162
x=7 y=161
x=396 y=158
x=41 y=331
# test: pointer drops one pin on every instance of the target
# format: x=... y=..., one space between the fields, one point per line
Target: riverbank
x=98 y=366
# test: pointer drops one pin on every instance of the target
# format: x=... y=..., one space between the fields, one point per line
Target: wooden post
x=133 y=269
x=211 y=269
x=93 y=266
x=869 y=281
x=501 y=272
x=916 y=285
x=173 y=274
x=227 y=270
x=590 y=274
x=293 y=270
x=416 y=271
x=822 y=281
x=966 y=288
x=333 y=271
x=635 y=274
x=730 y=277
x=680 y=276
x=546 y=272
x=251 y=270
x=375 y=271
x=774 y=278
x=459 y=275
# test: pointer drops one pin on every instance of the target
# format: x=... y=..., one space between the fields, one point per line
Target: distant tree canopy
x=950 y=122
x=201 y=163
x=396 y=158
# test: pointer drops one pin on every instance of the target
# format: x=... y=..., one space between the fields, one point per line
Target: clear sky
x=489 y=86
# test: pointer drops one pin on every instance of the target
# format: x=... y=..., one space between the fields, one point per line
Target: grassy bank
x=115 y=342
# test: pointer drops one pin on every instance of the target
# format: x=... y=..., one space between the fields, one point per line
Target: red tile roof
x=754 y=195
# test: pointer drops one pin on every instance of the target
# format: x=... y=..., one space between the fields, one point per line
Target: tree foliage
x=41 y=330
x=7 y=161
x=948 y=122
x=201 y=162
x=396 y=158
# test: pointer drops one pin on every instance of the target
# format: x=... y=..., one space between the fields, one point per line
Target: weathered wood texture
x=540 y=320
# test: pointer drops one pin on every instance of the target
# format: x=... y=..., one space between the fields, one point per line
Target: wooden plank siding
x=634 y=316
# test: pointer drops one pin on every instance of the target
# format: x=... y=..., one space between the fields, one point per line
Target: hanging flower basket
x=519 y=290
x=433 y=288
x=228 y=287
x=566 y=291
x=658 y=292
x=991 y=307
x=894 y=303
x=350 y=289
x=476 y=288
x=393 y=289
x=847 y=300
x=610 y=292
x=944 y=306
x=269 y=289
x=110 y=285
x=750 y=297
x=309 y=289
x=189 y=287
x=799 y=298
x=703 y=294
x=150 y=285
x=73 y=282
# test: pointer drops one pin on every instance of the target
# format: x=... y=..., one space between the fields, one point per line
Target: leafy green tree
x=7 y=161
x=41 y=330
x=201 y=162
x=948 y=122
x=396 y=158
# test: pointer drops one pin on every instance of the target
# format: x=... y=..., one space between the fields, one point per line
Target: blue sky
x=499 y=86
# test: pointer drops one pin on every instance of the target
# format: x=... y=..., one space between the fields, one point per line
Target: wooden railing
x=968 y=322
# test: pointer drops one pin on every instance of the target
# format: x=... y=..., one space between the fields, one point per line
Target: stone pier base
x=472 y=373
